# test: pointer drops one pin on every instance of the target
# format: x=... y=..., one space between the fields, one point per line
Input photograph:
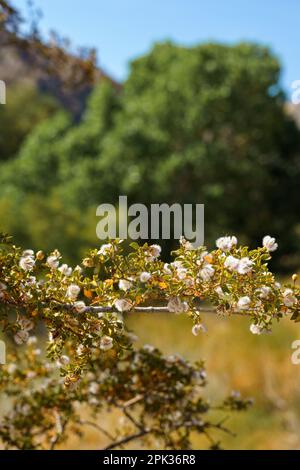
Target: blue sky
x=123 y=29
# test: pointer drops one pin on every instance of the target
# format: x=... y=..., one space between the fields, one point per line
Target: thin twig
x=59 y=435
x=99 y=428
x=124 y=408
x=152 y=309
x=132 y=401
x=95 y=309
x=127 y=439
x=133 y=420
x=220 y=426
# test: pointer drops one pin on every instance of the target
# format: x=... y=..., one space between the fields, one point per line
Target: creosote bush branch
x=90 y=355
x=159 y=397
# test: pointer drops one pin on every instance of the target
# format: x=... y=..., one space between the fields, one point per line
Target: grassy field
x=258 y=366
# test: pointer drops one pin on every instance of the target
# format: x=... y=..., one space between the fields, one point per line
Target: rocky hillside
x=51 y=68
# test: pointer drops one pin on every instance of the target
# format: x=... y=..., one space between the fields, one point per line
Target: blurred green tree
x=53 y=179
x=27 y=107
x=199 y=125
x=208 y=124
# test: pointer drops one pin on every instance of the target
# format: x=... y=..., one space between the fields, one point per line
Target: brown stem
x=96 y=426
x=127 y=439
x=137 y=309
